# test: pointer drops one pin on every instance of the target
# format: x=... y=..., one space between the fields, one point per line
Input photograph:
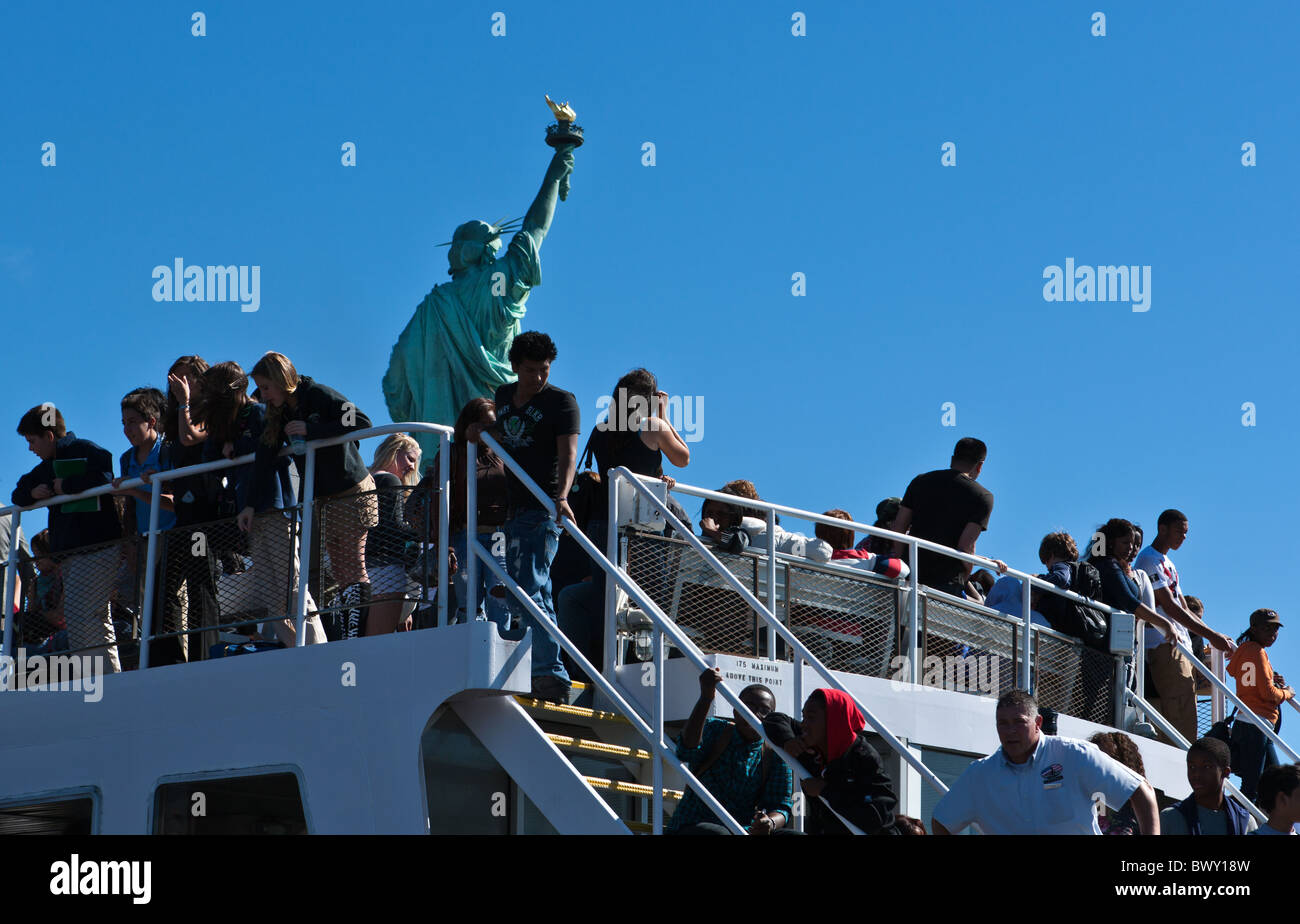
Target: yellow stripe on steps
x=573 y=711
x=600 y=748
x=630 y=789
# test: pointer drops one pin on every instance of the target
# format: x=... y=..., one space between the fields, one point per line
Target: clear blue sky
x=775 y=154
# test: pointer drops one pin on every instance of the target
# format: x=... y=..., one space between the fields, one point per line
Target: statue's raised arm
x=556 y=183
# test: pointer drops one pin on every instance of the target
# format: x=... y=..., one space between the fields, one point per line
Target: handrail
x=1174 y=735
x=200 y=468
x=153 y=481
x=1242 y=708
x=782 y=630
x=907 y=539
x=605 y=685
x=652 y=610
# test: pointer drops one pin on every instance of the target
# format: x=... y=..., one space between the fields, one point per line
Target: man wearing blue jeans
x=538 y=425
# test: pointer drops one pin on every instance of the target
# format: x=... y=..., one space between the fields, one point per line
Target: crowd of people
x=373 y=516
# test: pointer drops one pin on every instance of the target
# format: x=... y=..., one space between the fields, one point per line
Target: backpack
x=1222 y=730
x=1075 y=619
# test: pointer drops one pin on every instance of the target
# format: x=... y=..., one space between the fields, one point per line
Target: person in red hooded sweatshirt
x=831 y=743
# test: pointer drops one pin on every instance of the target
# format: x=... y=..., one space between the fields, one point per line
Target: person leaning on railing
x=142 y=410
x=1263 y=693
x=1119 y=584
x=395 y=467
x=69 y=466
x=831 y=743
x=234 y=423
x=1167 y=667
x=194 y=499
x=301 y=409
x=950 y=507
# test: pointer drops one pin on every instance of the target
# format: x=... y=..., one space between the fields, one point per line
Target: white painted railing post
x=608 y=614
x=300 y=552
x=657 y=768
x=444 y=513
x=11 y=587
x=913 y=617
x=1217 y=709
x=1027 y=645
x=471 y=540
x=151 y=573
x=769 y=638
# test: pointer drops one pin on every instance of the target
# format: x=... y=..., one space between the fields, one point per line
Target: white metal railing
x=1174 y=735
x=155 y=481
x=768 y=614
x=663 y=627
x=1028 y=582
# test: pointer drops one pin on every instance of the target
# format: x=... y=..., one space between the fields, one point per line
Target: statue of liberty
x=455 y=347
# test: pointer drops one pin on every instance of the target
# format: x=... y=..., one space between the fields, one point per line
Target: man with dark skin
x=1170 y=537
x=1207 y=772
x=760 y=701
x=1170 y=671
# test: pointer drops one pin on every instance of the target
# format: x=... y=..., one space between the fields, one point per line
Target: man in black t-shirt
x=947 y=506
x=538 y=426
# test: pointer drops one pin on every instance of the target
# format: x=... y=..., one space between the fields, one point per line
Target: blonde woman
x=300 y=410
x=396 y=467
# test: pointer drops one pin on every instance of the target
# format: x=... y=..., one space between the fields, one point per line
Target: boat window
x=70 y=815
x=268 y=803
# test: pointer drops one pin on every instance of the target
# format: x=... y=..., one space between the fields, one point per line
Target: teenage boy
x=1208 y=810
x=1278 y=797
x=1168 y=669
x=538 y=425
x=141 y=411
x=69 y=466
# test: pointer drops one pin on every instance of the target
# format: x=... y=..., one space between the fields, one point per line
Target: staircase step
x=630 y=789
x=598 y=748
x=571 y=715
x=640 y=827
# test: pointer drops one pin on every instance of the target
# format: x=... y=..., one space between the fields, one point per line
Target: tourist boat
x=434 y=730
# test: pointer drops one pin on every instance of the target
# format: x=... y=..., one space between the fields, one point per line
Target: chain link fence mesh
x=80 y=602
x=853 y=623
x=966 y=650
x=1074 y=679
x=850 y=622
x=367 y=563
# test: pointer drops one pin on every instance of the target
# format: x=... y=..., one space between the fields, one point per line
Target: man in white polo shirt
x=1040 y=784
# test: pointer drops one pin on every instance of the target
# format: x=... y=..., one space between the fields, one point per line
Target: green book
x=62 y=469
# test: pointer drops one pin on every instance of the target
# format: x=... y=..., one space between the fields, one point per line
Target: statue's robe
x=455 y=347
